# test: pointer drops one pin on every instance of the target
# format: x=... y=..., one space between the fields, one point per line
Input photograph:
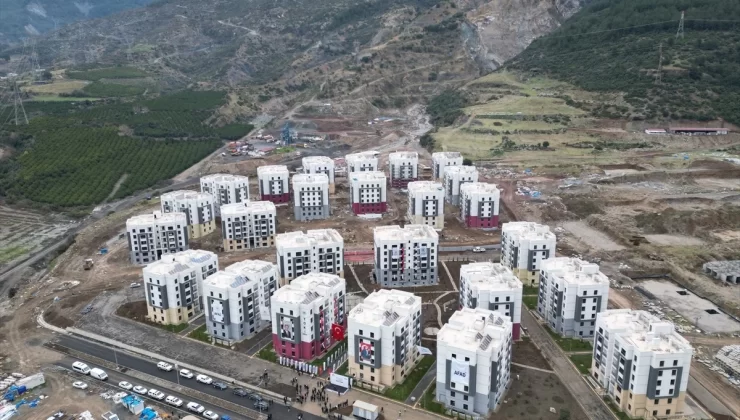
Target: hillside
x=615 y=46
x=23 y=18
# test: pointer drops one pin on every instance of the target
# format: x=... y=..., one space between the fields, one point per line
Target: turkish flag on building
x=337 y=332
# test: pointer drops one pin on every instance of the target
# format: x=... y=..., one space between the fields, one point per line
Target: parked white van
x=81 y=367
x=98 y=374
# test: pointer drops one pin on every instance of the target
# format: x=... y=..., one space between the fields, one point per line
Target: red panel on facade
x=516 y=332
x=402 y=183
x=276 y=198
x=369 y=208
x=481 y=222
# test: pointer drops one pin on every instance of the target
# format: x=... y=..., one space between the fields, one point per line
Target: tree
x=564 y=414
x=545 y=144
x=467 y=162
x=46 y=75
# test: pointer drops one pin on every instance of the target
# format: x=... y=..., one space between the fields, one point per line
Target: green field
x=200 y=334
x=268 y=353
x=11 y=253
x=112 y=90
x=569 y=344
x=582 y=362
x=54 y=98
x=107 y=73
x=530 y=302
x=427 y=401
x=402 y=391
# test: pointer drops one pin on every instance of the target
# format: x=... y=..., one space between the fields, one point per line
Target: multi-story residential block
x=311 y=197
x=152 y=235
x=232 y=307
x=303 y=313
x=474 y=361
x=248 y=225
x=524 y=245
x=443 y=160
x=572 y=292
x=492 y=286
x=362 y=161
x=479 y=203
x=225 y=189
x=456 y=176
x=274 y=183
x=403 y=168
x=320 y=165
x=198 y=208
x=319 y=251
x=368 y=192
x=426 y=204
x=384 y=332
x=174 y=283
x=405 y=256
x=642 y=363
x=265 y=275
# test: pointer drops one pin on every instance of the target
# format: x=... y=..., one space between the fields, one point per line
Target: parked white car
x=125 y=385
x=174 y=401
x=79 y=385
x=479 y=249
x=204 y=379
x=210 y=415
x=164 y=366
x=157 y=395
x=186 y=374
x=195 y=407
x=140 y=390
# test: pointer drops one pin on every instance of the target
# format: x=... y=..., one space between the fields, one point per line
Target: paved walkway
x=449 y=276
x=532 y=367
x=592 y=404
x=423 y=384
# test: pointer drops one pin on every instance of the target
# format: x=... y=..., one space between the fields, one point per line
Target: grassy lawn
x=620 y=414
x=286 y=149
x=268 y=353
x=427 y=401
x=320 y=360
x=582 y=362
x=54 y=98
x=342 y=370
x=531 y=290
x=530 y=301
x=11 y=253
x=174 y=328
x=402 y=391
x=569 y=344
x=200 y=334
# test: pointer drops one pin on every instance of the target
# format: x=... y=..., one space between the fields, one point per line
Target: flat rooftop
x=248 y=207
x=317 y=160
x=312 y=238
x=368 y=176
x=308 y=287
x=527 y=230
x=408 y=232
x=272 y=170
x=310 y=179
x=186 y=195
x=369 y=154
x=575 y=271
x=463 y=170
x=247 y=267
x=224 y=178
x=425 y=186
x=385 y=307
x=490 y=276
x=405 y=155
x=157 y=217
x=224 y=280
x=446 y=155
x=645 y=331
x=475 y=330
x=480 y=187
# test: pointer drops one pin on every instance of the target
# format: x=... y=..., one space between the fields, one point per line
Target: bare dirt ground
x=525 y=352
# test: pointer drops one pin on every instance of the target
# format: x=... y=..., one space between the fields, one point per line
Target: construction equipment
x=89 y=263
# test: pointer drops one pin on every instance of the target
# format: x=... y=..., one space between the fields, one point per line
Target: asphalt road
x=115 y=377
x=149 y=367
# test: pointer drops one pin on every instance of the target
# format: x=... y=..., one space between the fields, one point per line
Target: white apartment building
x=384 y=332
x=173 y=285
x=152 y=235
x=318 y=250
x=265 y=275
x=311 y=197
x=403 y=168
x=443 y=160
x=368 y=192
x=524 y=245
x=320 y=165
x=303 y=313
x=274 y=183
x=362 y=161
x=198 y=208
x=642 y=363
x=247 y=225
x=405 y=256
x=479 y=205
x=426 y=204
x=232 y=307
x=492 y=286
x=225 y=189
x=572 y=292
x=474 y=361
x=454 y=178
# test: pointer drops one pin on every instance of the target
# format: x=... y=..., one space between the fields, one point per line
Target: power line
x=658 y=77
x=643 y=26
x=679 y=33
